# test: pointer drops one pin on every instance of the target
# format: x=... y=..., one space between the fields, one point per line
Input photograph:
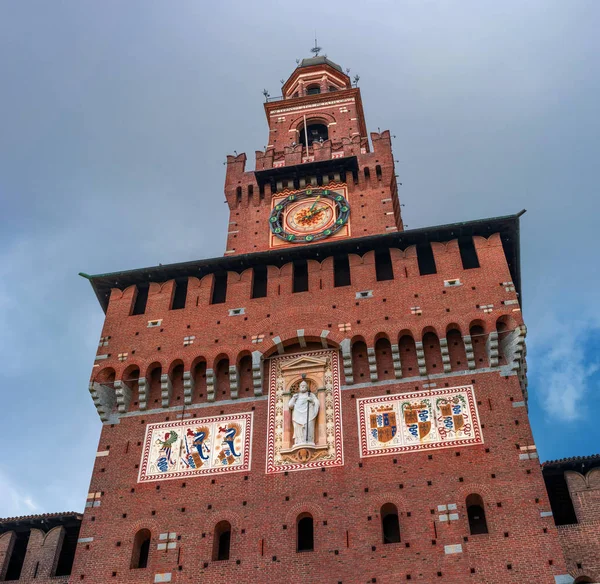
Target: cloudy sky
x=116 y=118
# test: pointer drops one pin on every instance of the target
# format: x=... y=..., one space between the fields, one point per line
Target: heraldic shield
x=383 y=424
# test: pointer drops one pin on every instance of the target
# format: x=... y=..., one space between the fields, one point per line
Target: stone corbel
x=491 y=346
x=188 y=387
x=143 y=392
x=372 y=363
x=257 y=373
x=123 y=394
x=166 y=389
x=445 y=355
x=104 y=399
x=469 y=351
x=513 y=348
x=397 y=362
x=234 y=381
x=346 y=348
x=210 y=385
x=421 y=358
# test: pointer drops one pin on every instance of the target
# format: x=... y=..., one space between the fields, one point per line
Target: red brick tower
x=335 y=400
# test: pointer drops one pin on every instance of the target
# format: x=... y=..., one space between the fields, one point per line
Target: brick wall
x=345 y=502
x=581 y=541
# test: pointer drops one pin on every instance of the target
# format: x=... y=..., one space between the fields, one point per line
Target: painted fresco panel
x=425 y=420
x=196 y=447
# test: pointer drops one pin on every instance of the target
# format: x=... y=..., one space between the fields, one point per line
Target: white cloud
x=562 y=372
x=14 y=501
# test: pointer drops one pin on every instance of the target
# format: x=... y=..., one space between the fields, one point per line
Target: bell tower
x=336 y=400
x=319 y=178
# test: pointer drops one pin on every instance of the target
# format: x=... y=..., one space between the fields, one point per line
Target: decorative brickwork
x=394 y=317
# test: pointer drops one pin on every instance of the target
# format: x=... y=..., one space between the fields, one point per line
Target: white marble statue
x=304 y=407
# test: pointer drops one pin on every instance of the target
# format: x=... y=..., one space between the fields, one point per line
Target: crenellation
x=380 y=413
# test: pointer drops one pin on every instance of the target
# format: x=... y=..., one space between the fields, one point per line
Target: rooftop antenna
x=316 y=49
x=266 y=94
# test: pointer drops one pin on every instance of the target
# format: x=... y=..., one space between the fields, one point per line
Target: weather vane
x=316 y=49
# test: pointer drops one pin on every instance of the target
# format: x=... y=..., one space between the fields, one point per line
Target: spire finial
x=316 y=49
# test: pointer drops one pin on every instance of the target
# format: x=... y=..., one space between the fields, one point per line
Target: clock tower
x=336 y=400
x=318 y=178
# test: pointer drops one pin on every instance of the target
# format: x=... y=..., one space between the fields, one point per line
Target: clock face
x=309 y=215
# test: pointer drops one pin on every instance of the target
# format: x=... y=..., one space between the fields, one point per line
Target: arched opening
x=106 y=376
x=408 y=355
x=367 y=173
x=476 y=515
x=333 y=88
x=456 y=349
x=313 y=90
x=131 y=378
x=305 y=533
x=383 y=359
x=155 y=373
x=199 y=373
x=177 y=380
x=222 y=541
x=141 y=549
x=360 y=362
x=245 y=371
x=390 y=525
x=433 y=353
x=479 y=338
x=583 y=580
x=222 y=376
x=315 y=132
x=504 y=325
x=378 y=171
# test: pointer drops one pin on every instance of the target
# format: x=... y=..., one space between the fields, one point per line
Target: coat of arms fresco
x=305 y=426
x=196 y=447
x=406 y=422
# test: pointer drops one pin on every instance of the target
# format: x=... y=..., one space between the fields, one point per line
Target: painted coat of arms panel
x=196 y=447
x=305 y=418
x=407 y=422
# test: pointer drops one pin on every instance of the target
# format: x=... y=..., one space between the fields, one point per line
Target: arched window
x=222 y=541
x=316 y=132
x=476 y=514
x=313 y=89
x=390 y=525
x=304 y=533
x=141 y=549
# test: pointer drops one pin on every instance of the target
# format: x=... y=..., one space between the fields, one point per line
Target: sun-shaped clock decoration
x=309 y=215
